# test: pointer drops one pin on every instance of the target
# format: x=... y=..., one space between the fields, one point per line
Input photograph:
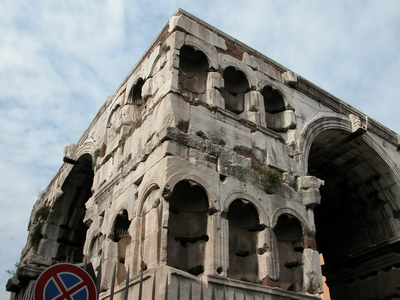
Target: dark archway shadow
x=356 y=230
x=66 y=219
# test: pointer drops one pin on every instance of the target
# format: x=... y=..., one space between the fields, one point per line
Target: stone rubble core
x=214 y=164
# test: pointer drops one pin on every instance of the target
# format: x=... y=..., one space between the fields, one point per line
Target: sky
x=60 y=60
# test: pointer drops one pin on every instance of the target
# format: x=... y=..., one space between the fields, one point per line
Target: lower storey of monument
x=163 y=282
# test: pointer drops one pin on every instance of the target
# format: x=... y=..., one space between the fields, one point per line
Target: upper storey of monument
x=208 y=67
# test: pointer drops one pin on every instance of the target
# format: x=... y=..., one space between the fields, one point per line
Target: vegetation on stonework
x=13 y=272
x=95 y=156
x=269 y=177
x=36 y=234
x=42 y=213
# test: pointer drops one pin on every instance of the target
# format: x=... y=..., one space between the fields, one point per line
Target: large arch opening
x=355 y=228
x=66 y=217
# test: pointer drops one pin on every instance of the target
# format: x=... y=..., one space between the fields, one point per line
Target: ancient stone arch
x=149 y=220
x=87 y=147
x=65 y=229
x=316 y=125
x=244 y=226
x=289 y=234
x=121 y=240
x=289 y=211
x=205 y=183
x=263 y=216
x=187 y=227
x=222 y=199
x=193 y=70
x=356 y=212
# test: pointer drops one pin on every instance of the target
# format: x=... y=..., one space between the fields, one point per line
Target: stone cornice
x=339 y=106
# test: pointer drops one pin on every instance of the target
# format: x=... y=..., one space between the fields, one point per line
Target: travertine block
x=40 y=260
x=311 y=197
x=151 y=65
x=290 y=78
x=149 y=88
x=258 y=65
x=214 y=98
x=277 y=154
x=70 y=151
x=197 y=30
x=306 y=182
x=312 y=272
x=231 y=164
x=219 y=131
x=215 y=80
x=150 y=243
x=252 y=108
x=285 y=120
x=127 y=115
x=172 y=111
x=198 y=157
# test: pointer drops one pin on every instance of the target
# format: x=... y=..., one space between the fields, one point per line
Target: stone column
x=312 y=275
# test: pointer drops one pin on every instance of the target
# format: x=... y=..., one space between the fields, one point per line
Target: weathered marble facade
x=216 y=167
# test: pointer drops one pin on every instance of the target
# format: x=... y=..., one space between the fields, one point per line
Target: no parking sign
x=65 y=282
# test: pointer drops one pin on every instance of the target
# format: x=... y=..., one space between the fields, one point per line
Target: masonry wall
x=199 y=163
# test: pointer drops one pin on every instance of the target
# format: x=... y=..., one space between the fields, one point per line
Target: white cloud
x=60 y=60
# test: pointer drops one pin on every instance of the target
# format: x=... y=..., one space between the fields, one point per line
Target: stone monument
x=213 y=172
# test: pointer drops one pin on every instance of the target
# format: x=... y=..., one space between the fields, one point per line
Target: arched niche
x=135 y=98
x=120 y=235
x=113 y=124
x=273 y=100
x=277 y=117
x=135 y=95
x=354 y=223
x=187 y=227
x=244 y=225
x=236 y=86
x=112 y=120
x=289 y=235
x=193 y=70
x=150 y=219
x=66 y=230
x=95 y=248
